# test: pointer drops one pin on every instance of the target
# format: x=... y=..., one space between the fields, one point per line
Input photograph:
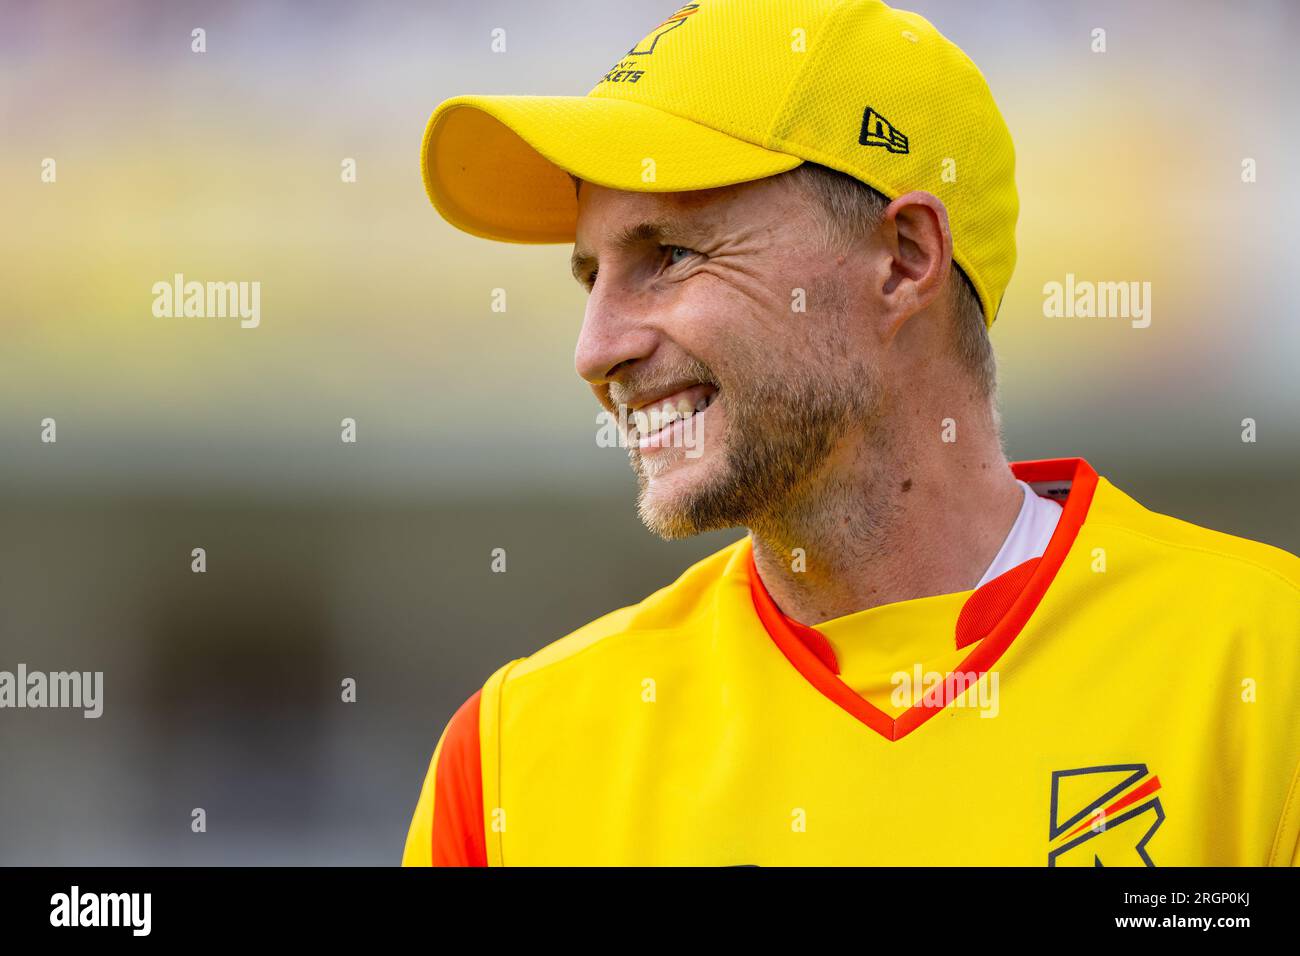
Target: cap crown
x=874 y=92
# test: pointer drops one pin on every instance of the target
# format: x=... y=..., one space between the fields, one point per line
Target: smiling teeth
x=647 y=423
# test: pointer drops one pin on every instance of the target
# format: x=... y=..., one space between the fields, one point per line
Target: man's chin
x=681 y=502
x=670 y=524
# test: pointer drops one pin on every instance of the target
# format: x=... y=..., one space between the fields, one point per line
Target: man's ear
x=915 y=257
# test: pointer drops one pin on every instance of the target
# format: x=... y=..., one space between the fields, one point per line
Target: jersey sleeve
x=447 y=828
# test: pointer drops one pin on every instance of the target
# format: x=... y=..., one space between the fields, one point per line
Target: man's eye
x=677 y=253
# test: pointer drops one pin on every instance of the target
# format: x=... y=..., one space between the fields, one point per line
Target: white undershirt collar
x=1028 y=536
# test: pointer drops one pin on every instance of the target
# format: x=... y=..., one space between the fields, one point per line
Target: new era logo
x=878 y=131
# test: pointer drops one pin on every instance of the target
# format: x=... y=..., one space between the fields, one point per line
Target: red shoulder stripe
x=458 y=796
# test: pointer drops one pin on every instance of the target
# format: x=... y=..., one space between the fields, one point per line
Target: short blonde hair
x=851 y=212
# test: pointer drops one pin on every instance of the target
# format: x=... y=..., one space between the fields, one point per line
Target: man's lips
x=648 y=418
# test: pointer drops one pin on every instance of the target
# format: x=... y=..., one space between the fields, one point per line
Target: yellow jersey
x=1131 y=697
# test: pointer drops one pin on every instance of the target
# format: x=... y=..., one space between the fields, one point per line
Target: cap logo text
x=878 y=131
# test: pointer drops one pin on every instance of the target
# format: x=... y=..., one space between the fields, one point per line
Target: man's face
x=720 y=319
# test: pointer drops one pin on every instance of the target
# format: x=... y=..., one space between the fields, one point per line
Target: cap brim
x=495 y=166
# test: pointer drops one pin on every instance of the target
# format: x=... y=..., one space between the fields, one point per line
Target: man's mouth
x=649 y=421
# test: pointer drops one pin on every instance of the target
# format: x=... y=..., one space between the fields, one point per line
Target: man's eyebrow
x=664 y=230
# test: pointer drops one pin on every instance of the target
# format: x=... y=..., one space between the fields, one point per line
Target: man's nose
x=616 y=331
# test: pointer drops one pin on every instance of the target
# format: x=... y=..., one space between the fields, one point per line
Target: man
x=795 y=220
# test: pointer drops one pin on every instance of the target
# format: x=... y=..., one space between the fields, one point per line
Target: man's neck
x=911 y=528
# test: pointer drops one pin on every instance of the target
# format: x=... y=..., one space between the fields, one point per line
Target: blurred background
x=371 y=561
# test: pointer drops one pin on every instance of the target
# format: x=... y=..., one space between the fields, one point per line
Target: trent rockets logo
x=1104 y=816
x=632 y=67
x=672 y=23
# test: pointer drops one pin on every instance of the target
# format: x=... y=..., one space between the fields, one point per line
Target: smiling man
x=795 y=220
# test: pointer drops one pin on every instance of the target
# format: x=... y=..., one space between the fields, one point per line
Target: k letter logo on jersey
x=1104 y=816
x=878 y=131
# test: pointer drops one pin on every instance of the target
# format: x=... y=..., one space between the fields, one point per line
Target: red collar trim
x=1004 y=607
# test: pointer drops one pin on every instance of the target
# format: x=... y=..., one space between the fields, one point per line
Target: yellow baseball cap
x=728 y=91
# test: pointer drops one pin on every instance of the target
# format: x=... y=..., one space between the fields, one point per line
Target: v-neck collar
x=990 y=620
